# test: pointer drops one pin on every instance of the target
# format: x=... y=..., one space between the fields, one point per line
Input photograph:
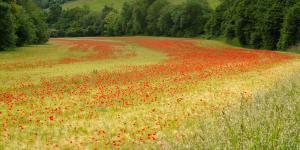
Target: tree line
x=268 y=24
x=137 y=17
x=21 y=22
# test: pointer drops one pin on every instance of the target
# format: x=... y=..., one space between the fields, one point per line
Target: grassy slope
x=97 y=5
x=269 y=119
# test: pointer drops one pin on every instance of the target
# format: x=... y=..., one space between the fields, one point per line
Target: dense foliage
x=7 y=29
x=290 y=32
x=137 y=17
x=269 y=24
x=48 y=3
x=21 y=23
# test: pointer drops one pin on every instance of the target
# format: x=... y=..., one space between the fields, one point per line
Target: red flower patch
x=51 y=118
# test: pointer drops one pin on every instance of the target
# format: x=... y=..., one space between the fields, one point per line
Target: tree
x=190 y=18
x=198 y=15
x=42 y=35
x=290 y=33
x=153 y=13
x=125 y=18
x=38 y=19
x=272 y=25
x=54 y=14
x=138 y=20
x=105 y=11
x=111 y=23
x=21 y=23
x=91 y=23
x=254 y=23
x=165 y=21
x=25 y=30
x=7 y=27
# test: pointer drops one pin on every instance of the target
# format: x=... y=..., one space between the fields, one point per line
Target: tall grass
x=266 y=120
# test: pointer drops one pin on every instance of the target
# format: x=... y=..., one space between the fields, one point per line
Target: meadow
x=148 y=93
x=97 y=5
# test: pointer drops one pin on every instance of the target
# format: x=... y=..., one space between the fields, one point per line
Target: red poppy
x=51 y=118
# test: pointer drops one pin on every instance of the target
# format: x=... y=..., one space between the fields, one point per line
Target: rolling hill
x=97 y=5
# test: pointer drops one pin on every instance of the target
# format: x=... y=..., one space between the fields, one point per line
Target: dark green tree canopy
x=265 y=24
x=21 y=22
x=255 y=23
x=7 y=27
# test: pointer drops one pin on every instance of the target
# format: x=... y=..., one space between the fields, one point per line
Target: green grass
x=214 y=44
x=269 y=119
x=97 y=5
x=143 y=56
x=294 y=49
x=234 y=42
x=214 y=3
x=31 y=53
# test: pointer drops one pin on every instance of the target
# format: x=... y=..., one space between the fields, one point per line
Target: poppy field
x=129 y=92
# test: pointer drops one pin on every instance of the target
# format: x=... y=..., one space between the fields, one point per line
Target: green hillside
x=214 y=3
x=97 y=5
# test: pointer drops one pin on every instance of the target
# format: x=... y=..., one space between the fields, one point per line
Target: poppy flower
x=51 y=118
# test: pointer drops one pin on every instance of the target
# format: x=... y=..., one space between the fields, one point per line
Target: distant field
x=97 y=5
x=148 y=92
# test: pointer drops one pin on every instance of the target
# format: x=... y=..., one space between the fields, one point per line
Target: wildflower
x=51 y=118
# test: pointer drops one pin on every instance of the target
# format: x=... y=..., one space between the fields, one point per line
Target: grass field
x=97 y=5
x=148 y=93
